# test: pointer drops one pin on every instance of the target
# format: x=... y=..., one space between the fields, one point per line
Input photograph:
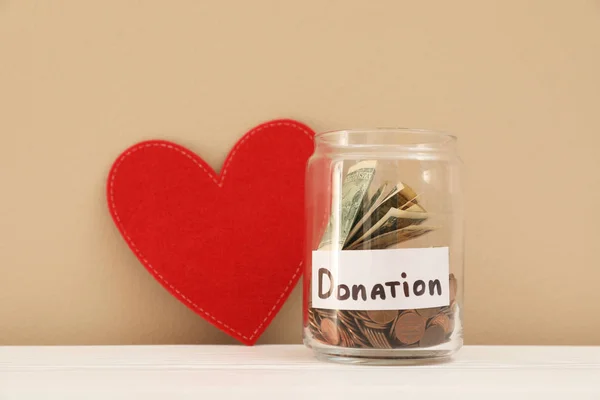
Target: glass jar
x=384 y=261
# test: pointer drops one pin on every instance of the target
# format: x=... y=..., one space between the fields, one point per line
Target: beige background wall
x=517 y=81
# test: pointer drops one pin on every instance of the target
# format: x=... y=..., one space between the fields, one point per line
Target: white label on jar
x=390 y=279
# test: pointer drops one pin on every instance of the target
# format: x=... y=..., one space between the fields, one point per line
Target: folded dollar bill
x=391 y=238
x=354 y=191
x=390 y=216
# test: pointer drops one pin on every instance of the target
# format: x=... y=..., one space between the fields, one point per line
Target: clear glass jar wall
x=384 y=261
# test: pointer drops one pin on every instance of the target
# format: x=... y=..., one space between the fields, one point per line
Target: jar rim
x=414 y=139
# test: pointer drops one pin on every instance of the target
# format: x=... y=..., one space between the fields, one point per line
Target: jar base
x=395 y=360
x=414 y=356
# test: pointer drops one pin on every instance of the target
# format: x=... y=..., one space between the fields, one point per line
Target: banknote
x=393 y=220
x=353 y=193
x=391 y=238
x=401 y=197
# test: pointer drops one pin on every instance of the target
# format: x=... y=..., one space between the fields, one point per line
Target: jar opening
x=378 y=138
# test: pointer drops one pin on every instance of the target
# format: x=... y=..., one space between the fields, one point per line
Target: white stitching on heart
x=218 y=182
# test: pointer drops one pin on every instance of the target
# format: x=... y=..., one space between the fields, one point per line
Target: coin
x=371 y=337
x=359 y=315
x=382 y=340
x=433 y=336
x=313 y=325
x=324 y=313
x=367 y=334
x=409 y=328
x=374 y=325
x=359 y=339
x=392 y=327
x=346 y=341
x=428 y=312
x=453 y=288
x=377 y=339
x=442 y=320
x=345 y=318
x=330 y=331
x=350 y=326
x=383 y=316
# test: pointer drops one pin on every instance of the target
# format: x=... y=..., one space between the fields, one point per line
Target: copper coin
x=453 y=288
x=324 y=313
x=359 y=315
x=330 y=331
x=433 y=336
x=449 y=310
x=374 y=325
x=382 y=340
x=353 y=332
x=377 y=339
x=428 y=312
x=359 y=339
x=358 y=323
x=392 y=327
x=346 y=319
x=442 y=320
x=383 y=316
x=409 y=328
x=346 y=340
x=365 y=334
x=371 y=338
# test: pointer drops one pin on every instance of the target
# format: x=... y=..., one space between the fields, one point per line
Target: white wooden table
x=291 y=372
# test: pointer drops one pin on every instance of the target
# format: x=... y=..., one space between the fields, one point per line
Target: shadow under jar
x=384 y=256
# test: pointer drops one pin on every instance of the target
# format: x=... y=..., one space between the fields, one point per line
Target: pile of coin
x=388 y=217
x=385 y=329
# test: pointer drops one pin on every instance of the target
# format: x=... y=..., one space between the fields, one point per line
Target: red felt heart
x=230 y=245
